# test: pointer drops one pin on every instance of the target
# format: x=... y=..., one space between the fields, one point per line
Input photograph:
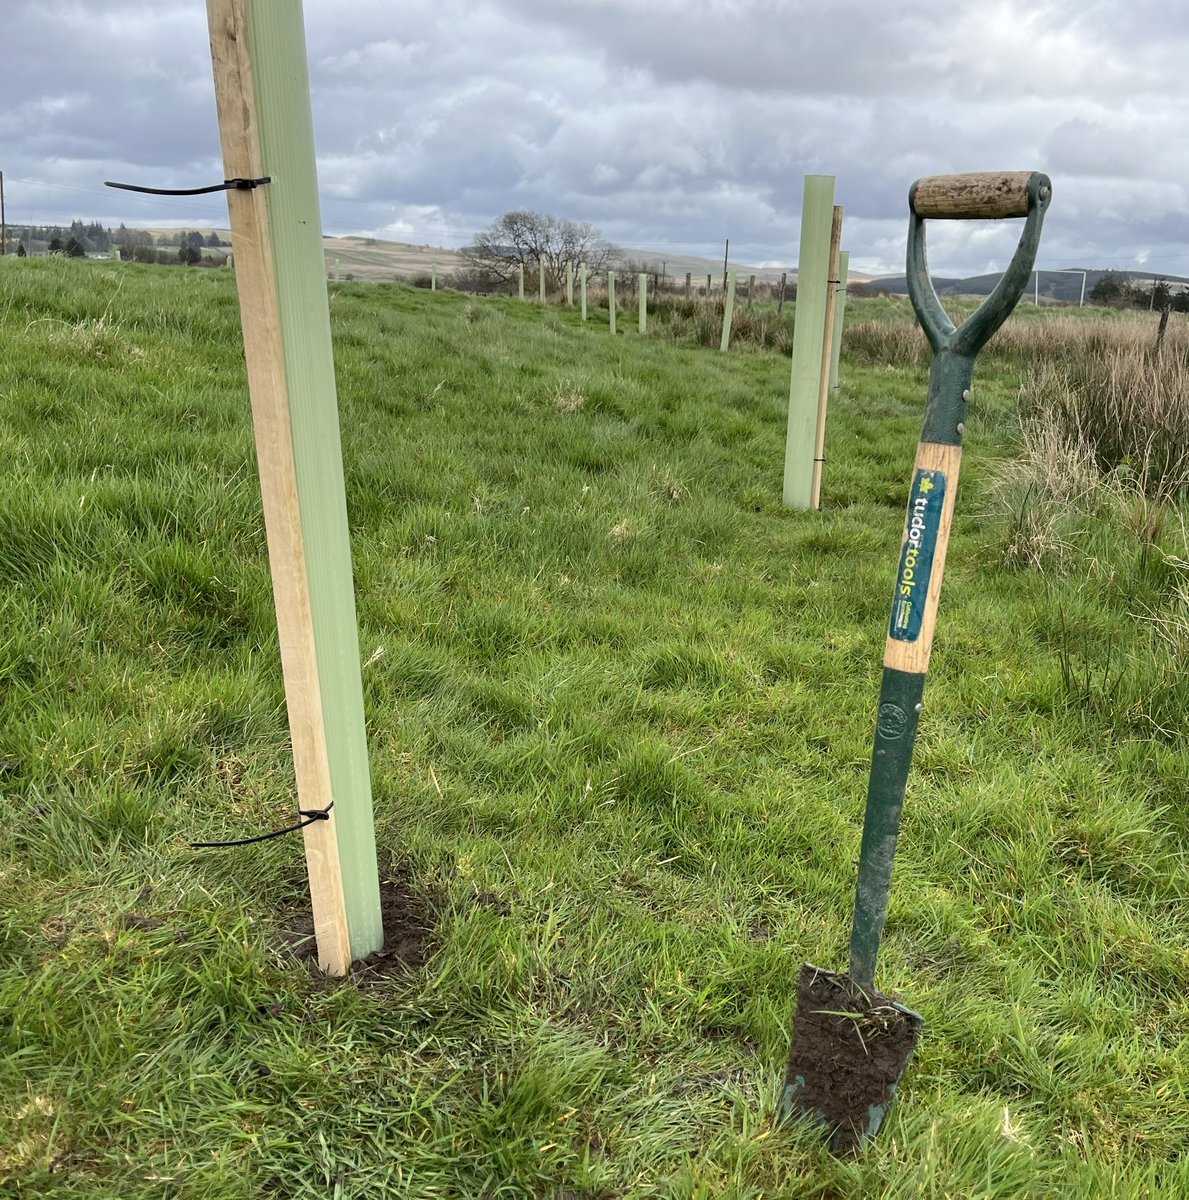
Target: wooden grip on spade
x=980 y=195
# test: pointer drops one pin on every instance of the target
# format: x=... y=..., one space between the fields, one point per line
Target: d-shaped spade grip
x=988 y=194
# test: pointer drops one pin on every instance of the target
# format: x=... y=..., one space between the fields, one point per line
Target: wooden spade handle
x=981 y=195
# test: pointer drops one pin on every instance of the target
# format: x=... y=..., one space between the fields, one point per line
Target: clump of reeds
x=1123 y=414
x=697 y=320
x=886 y=343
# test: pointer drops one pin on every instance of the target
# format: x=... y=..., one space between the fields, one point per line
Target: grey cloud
x=668 y=123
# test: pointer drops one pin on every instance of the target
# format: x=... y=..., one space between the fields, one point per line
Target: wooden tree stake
x=643 y=303
x=611 y=297
x=262 y=93
x=839 y=313
x=582 y=287
x=819 y=441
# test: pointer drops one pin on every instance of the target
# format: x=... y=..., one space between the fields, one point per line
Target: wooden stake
x=643 y=303
x=541 y=276
x=582 y=287
x=570 y=284
x=839 y=313
x=708 y=284
x=611 y=297
x=813 y=270
x=819 y=441
x=688 y=277
x=751 y=287
x=780 y=302
x=262 y=94
x=522 y=281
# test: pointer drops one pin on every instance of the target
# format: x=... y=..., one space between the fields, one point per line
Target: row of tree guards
x=822 y=271
x=262 y=95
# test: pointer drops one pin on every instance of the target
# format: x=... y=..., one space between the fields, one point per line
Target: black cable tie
x=819 y=460
x=311 y=815
x=228 y=185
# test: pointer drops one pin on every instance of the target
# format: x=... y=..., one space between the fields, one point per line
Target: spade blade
x=850 y=1048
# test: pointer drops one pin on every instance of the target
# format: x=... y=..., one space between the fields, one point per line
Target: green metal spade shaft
x=930 y=513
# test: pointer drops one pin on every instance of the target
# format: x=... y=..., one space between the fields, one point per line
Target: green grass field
x=620 y=704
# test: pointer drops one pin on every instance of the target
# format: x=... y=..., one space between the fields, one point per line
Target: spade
x=851 y=1043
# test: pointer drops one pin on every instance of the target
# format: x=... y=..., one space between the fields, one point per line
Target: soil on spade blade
x=850 y=1048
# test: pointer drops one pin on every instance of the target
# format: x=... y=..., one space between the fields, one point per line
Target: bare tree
x=527 y=238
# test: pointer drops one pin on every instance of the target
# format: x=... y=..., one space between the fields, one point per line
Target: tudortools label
x=916 y=558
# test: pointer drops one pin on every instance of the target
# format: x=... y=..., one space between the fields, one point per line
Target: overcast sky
x=670 y=124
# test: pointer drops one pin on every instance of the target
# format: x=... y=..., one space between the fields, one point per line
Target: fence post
x=751 y=287
x=262 y=93
x=570 y=284
x=707 y=283
x=433 y=278
x=541 y=277
x=611 y=297
x=839 y=313
x=813 y=270
x=582 y=287
x=688 y=277
x=728 y=313
x=521 y=273
x=643 y=303
x=819 y=441
x=780 y=302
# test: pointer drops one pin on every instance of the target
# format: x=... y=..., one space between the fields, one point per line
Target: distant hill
x=370 y=258
x=373 y=258
x=1060 y=286
x=377 y=259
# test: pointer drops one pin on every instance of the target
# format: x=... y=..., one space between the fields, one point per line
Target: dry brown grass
x=1102 y=437
x=1124 y=414
x=1023 y=339
x=698 y=320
